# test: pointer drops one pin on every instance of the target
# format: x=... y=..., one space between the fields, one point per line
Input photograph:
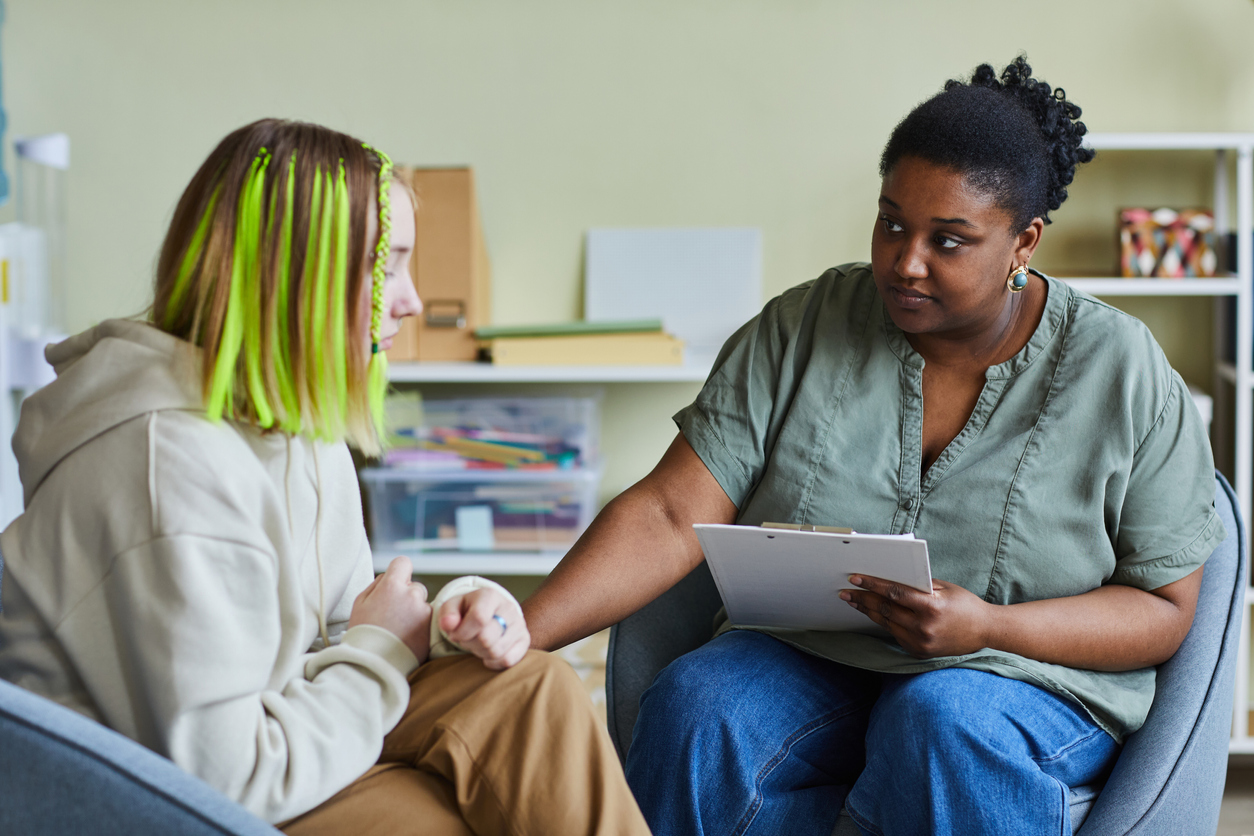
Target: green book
x=570 y=329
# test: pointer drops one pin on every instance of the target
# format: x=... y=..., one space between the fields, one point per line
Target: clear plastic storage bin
x=536 y=433
x=510 y=511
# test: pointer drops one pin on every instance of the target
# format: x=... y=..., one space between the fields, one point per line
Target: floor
x=587 y=657
x=1236 y=816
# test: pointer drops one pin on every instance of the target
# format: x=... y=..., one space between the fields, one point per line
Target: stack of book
x=637 y=342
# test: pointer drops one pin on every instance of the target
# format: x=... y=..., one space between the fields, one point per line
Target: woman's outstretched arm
x=638 y=547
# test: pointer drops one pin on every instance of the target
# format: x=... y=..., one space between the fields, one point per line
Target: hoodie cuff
x=384 y=643
x=441 y=644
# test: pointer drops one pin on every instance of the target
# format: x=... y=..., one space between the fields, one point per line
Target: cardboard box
x=449 y=267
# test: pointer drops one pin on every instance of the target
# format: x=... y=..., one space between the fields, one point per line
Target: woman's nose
x=911 y=260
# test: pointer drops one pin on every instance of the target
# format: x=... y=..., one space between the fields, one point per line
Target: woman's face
x=941 y=251
x=400 y=299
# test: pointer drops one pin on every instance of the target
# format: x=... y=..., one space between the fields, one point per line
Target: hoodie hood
x=106 y=376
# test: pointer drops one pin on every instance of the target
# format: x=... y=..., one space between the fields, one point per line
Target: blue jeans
x=748 y=735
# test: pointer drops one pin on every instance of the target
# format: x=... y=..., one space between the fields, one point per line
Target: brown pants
x=481 y=752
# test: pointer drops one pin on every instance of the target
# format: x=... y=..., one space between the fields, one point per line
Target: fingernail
x=851 y=603
x=855 y=580
x=845 y=596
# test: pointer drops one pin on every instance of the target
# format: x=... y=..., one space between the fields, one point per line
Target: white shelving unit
x=468 y=372
x=517 y=563
x=472 y=563
x=1158 y=287
x=1239 y=375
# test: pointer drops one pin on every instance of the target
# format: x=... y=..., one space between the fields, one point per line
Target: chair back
x=1169 y=778
x=678 y=621
x=63 y=773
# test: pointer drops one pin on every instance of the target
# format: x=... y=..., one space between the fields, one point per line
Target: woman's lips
x=909 y=299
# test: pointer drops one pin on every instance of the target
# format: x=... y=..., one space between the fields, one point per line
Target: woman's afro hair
x=1013 y=137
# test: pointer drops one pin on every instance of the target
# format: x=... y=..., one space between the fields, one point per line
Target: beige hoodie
x=169 y=575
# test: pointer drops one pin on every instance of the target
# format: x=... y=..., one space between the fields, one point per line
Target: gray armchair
x=62 y=773
x=1169 y=778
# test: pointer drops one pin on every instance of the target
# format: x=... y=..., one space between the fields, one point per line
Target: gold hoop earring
x=1018 y=279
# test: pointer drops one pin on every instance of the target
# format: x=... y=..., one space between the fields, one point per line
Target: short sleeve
x=730 y=423
x=1168 y=525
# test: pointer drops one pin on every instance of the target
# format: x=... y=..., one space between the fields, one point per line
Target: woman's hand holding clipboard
x=792 y=579
x=948 y=621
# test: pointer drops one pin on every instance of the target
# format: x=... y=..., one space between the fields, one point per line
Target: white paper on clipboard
x=772 y=577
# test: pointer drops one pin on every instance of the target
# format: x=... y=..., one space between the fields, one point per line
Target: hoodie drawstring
x=322 y=579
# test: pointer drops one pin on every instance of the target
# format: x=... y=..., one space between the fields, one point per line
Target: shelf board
x=1110 y=286
x=1168 y=141
x=1238 y=746
x=469 y=372
x=474 y=563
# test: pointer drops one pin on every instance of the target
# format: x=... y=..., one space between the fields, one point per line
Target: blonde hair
x=262 y=267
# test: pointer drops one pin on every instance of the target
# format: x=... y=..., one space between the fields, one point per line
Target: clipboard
x=791 y=579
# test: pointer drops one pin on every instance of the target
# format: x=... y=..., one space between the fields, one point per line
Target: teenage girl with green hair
x=192 y=569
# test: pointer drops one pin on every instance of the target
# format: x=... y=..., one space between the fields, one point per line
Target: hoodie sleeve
x=196 y=625
x=441 y=644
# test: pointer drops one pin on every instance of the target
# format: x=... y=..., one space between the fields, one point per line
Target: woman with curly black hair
x=1035 y=437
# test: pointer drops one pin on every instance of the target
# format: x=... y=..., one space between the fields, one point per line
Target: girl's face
x=400 y=299
x=941 y=251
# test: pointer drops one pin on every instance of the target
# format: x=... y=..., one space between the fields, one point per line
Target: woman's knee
x=709 y=678
x=948 y=707
x=958 y=713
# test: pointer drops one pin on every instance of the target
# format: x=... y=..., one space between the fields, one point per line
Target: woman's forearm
x=1112 y=628
x=638 y=547
x=627 y=557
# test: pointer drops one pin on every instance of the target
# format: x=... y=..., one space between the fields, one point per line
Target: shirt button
x=908 y=504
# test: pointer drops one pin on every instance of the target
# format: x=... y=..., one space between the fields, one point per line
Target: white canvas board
x=771 y=577
x=703 y=283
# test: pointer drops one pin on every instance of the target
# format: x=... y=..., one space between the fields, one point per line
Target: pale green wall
x=582 y=113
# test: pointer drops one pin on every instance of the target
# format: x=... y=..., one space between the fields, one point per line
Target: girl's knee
x=554 y=672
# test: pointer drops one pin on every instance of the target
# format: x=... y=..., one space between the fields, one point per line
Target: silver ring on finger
x=501 y=621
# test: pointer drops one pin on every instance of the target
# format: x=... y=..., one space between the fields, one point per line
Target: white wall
x=577 y=114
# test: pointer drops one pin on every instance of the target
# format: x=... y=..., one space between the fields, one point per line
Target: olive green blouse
x=1083 y=463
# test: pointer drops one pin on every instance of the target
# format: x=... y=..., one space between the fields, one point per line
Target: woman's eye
x=947 y=243
x=891 y=226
